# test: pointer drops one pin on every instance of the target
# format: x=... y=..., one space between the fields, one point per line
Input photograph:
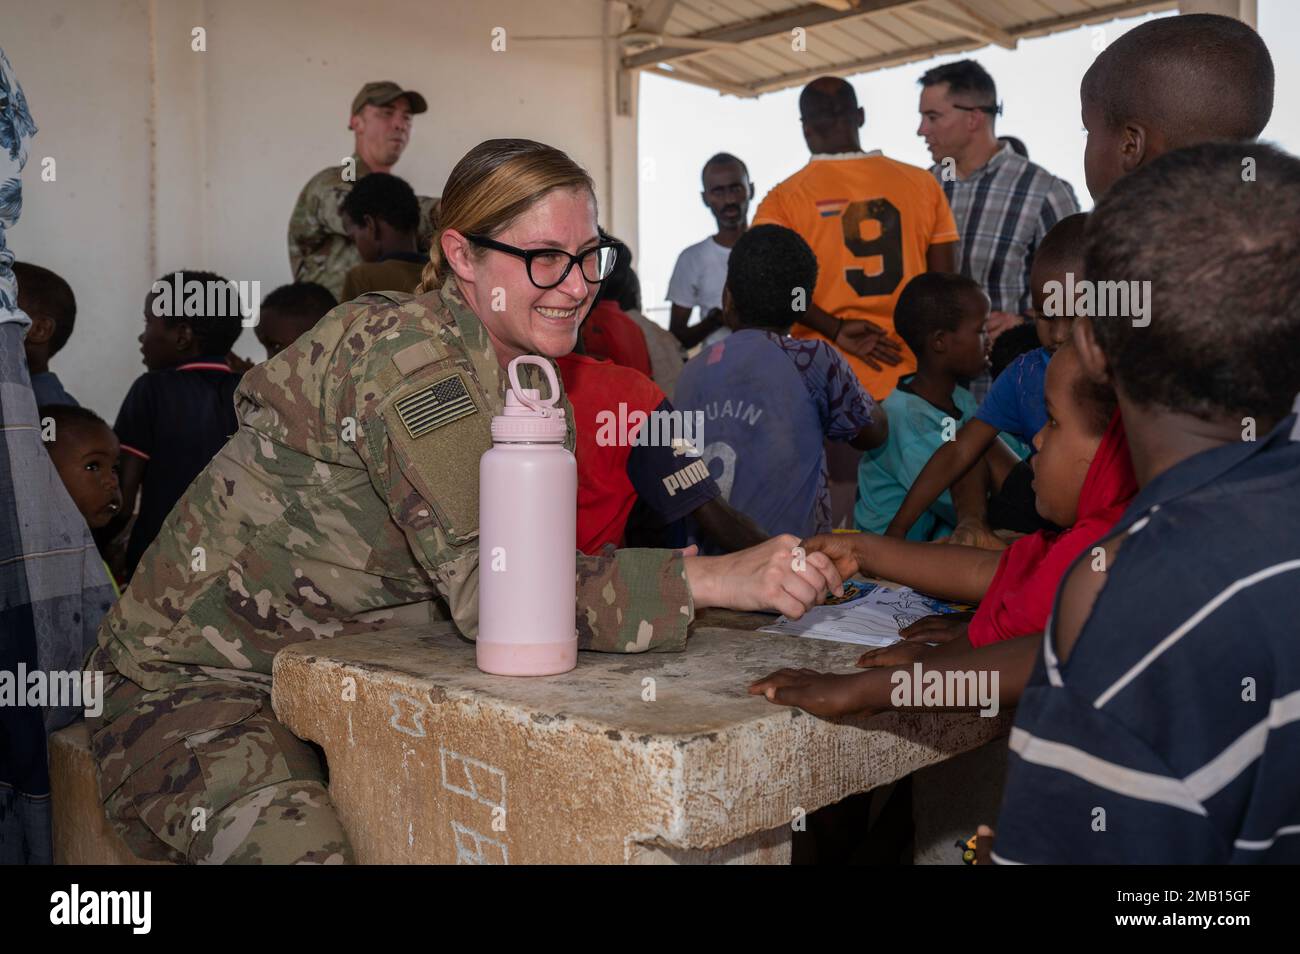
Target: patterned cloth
x=1003 y=211
x=53 y=588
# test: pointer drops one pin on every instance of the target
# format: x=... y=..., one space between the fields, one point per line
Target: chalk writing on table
x=475 y=849
x=473 y=778
x=406 y=716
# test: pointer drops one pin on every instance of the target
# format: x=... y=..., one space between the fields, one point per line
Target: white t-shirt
x=698 y=279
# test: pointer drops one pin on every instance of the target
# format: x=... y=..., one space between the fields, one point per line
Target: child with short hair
x=769 y=400
x=609 y=333
x=1170 y=675
x=85 y=453
x=290 y=312
x=182 y=410
x=1014 y=403
x=48 y=300
x=941 y=317
x=382 y=217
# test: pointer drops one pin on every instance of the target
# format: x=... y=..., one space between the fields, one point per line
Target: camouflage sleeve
x=301 y=230
x=629 y=601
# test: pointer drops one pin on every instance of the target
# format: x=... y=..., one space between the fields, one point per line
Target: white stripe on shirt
x=1215 y=774
x=1245 y=845
x=1194 y=621
x=1095 y=771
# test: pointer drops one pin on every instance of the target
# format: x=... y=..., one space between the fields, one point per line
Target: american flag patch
x=828 y=207
x=438 y=404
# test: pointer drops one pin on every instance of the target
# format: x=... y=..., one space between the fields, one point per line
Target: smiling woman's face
x=520 y=317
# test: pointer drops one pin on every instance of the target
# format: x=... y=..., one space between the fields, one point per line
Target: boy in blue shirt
x=180 y=412
x=1014 y=404
x=771 y=401
x=941 y=317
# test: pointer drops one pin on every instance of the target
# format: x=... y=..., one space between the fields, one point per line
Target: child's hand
x=938 y=628
x=868 y=341
x=1000 y=321
x=843 y=550
x=899 y=654
x=819 y=693
x=975 y=533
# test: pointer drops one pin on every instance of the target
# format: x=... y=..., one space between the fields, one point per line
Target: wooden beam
x=982 y=29
x=653 y=15
x=763 y=28
x=683 y=76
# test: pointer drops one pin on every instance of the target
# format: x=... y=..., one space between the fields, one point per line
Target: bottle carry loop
x=542 y=406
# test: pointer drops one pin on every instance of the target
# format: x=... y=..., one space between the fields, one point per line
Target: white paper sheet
x=873 y=619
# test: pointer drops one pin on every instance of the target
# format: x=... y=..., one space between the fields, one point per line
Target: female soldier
x=338 y=508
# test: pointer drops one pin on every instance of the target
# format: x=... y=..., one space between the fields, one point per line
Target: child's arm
x=950 y=572
x=835 y=694
x=949 y=463
x=874 y=434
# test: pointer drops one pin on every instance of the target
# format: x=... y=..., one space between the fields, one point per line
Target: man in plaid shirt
x=53 y=588
x=1003 y=203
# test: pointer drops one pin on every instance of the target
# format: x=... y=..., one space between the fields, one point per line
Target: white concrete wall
x=239 y=128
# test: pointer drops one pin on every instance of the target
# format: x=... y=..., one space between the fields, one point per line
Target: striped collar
x=203 y=364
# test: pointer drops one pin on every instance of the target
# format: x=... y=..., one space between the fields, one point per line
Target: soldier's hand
x=770 y=577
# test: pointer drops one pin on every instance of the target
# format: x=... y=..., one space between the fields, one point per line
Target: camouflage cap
x=384 y=92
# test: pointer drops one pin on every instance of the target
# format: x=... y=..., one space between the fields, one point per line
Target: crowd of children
x=1125 y=544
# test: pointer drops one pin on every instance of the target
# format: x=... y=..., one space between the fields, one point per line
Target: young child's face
x=277 y=330
x=968 y=346
x=85 y=456
x=363 y=238
x=1065 y=445
x=1052 y=331
x=158 y=342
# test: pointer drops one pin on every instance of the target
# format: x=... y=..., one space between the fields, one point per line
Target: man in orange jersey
x=873 y=223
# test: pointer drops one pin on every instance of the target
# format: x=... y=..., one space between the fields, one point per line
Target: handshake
x=781 y=575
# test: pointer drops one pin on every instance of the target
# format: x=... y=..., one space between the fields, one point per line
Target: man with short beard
x=319 y=247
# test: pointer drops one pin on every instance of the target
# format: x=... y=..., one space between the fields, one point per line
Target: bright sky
x=681 y=125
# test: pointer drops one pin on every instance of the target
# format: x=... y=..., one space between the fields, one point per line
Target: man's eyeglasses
x=991 y=110
x=548 y=267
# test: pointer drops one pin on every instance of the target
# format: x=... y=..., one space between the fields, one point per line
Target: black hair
x=69 y=417
x=1096 y=400
x=768 y=268
x=1011 y=344
x=826 y=97
x=722 y=159
x=930 y=302
x=1196 y=77
x=1064 y=245
x=1219 y=248
x=966 y=77
x=385 y=197
x=44 y=294
x=622 y=286
x=216 y=328
x=1017 y=145
x=306 y=300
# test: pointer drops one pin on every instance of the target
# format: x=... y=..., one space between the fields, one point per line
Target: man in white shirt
x=701 y=269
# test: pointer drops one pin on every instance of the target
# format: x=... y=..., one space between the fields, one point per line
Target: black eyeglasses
x=547 y=267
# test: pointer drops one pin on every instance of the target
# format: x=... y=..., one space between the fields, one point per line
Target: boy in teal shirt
x=941 y=317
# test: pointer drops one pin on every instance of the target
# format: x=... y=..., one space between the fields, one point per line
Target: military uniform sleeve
x=429 y=208
x=629 y=601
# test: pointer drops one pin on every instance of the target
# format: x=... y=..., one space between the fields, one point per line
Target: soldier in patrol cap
x=338 y=507
x=319 y=247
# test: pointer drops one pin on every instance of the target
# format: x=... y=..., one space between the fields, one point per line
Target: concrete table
x=643 y=759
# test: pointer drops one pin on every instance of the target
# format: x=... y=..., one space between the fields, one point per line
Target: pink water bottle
x=528 y=518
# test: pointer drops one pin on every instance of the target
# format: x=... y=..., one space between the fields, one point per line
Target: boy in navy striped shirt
x=1162 y=721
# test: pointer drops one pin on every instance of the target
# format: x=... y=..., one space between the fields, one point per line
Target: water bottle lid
x=526 y=416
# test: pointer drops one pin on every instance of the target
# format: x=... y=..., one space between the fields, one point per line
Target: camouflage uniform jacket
x=319 y=248
x=323 y=516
